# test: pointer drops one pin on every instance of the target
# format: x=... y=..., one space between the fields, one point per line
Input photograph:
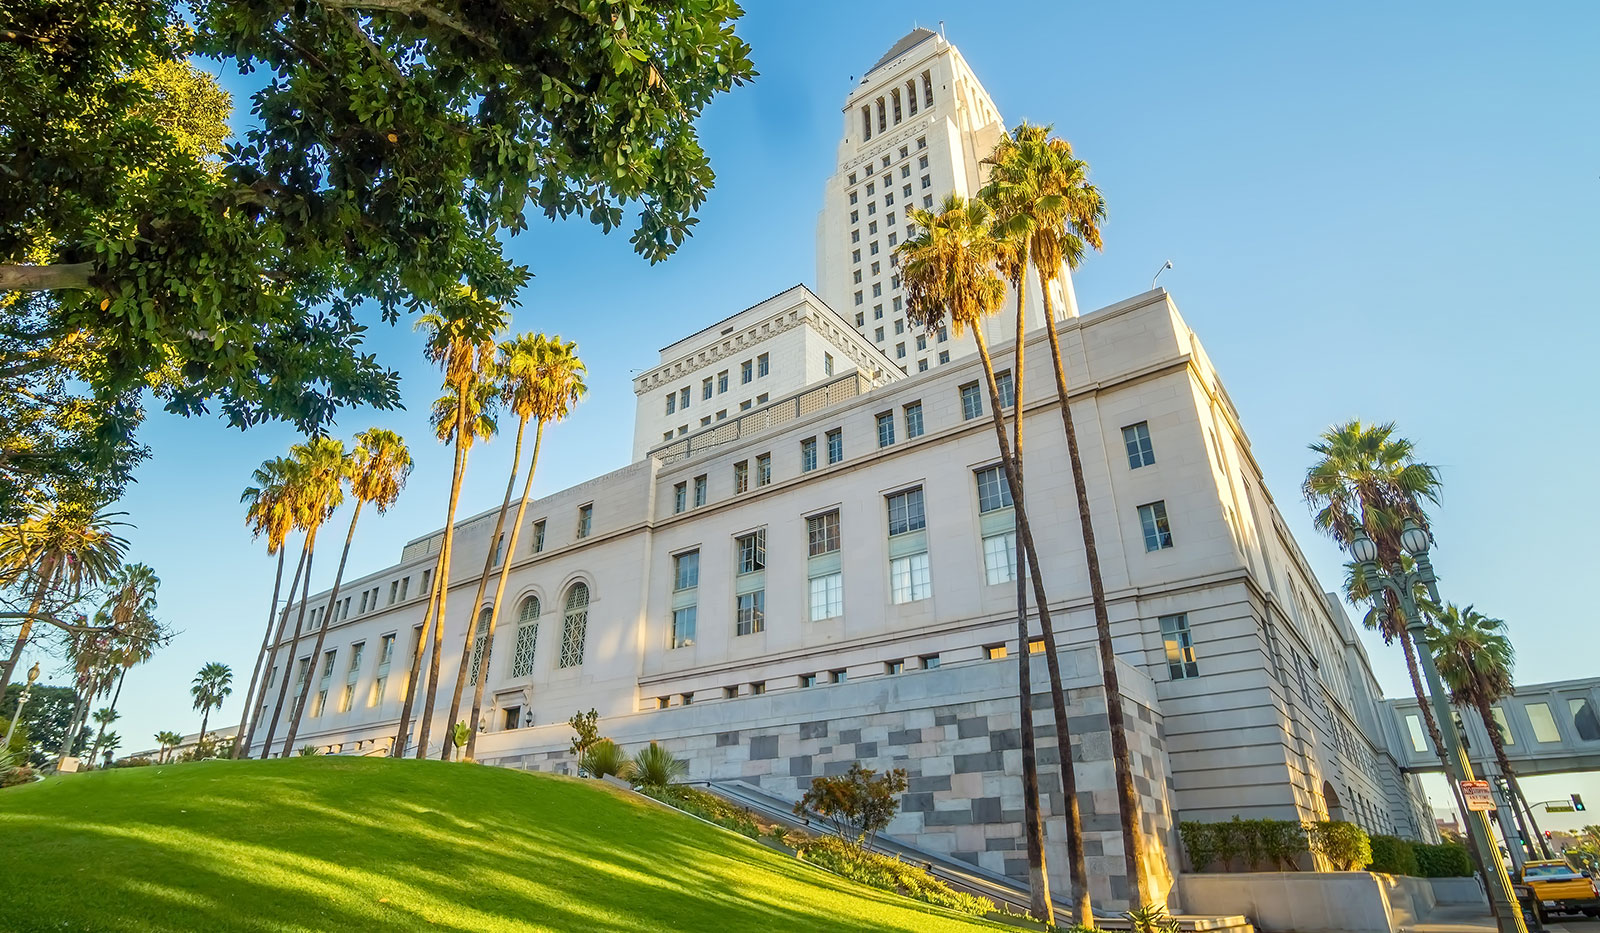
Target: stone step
x=1188 y=923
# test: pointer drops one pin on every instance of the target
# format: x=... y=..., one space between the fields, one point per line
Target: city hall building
x=809 y=561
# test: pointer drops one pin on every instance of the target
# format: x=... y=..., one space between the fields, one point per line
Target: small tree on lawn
x=587 y=727
x=857 y=803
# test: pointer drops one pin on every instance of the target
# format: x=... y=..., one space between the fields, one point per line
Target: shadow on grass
x=359 y=844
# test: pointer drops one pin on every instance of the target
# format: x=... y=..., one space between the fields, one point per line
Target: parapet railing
x=755 y=421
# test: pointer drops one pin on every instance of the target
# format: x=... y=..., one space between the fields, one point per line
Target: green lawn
x=372 y=844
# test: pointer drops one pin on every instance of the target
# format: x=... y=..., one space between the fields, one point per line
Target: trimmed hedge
x=1273 y=845
x=1445 y=860
x=1393 y=856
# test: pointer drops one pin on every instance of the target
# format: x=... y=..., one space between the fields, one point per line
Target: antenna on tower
x=941 y=29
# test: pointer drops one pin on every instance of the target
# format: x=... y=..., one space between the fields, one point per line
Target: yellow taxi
x=1558 y=886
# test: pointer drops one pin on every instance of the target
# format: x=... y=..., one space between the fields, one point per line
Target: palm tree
x=1369 y=480
x=130 y=614
x=316 y=490
x=377 y=469
x=461 y=342
x=59 y=549
x=1474 y=656
x=210 y=687
x=1042 y=197
x=103 y=717
x=270 y=512
x=542 y=379
x=109 y=744
x=166 y=740
x=950 y=271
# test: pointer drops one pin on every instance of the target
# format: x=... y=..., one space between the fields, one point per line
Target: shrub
x=603 y=758
x=1276 y=843
x=1282 y=842
x=1200 y=841
x=309 y=751
x=13 y=769
x=654 y=767
x=1153 y=918
x=132 y=763
x=1342 y=843
x=1393 y=855
x=1445 y=860
x=857 y=803
x=888 y=874
x=586 y=729
x=705 y=805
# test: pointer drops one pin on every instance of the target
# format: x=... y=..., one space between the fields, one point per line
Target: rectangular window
x=894 y=667
x=758 y=688
x=672 y=402
x=752 y=609
x=993 y=490
x=808 y=680
x=1007 y=389
x=686 y=571
x=827 y=364
x=762 y=367
x=752 y=551
x=922 y=342
x=699 y=490
x=885 y=429
x=1153 y=518
x=808 y=455
x=913 y=420
x=722 y=381
x=1180 y=647
x=861 y=319
x=405 y=587
x=741 y=476
x=905 y=512
x=827 y=596
x=1000 y=558
x=1544 y=724
x=363 y=607
x=835 y=445
x=680 y=497
x=705 y=421
x=585 y=519
x=927 y=182
x=929 y=661
x=922 y=366
x=538 y=536
x=971 y=401
x=746 y=372
x=1419 y=741
x=900 y=351
x=994 y=652
x=908 y=577
x=761 y=399
x=877 y=334
x=763 y=469
x=1136 y=438
x=822 y=533
x=394 y=591
x=837 y=677
x=922 y=162
x=927 y=200
x=705 y=388
x=683 y=397
x=386 y=650
x=683 y=626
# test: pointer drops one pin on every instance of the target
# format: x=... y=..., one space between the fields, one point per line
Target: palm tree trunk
x=101 y=735
x=45 y=583
x=310 y=548
x=246 y=723
x=205 y=721
x=299 y=710
x=1039 y=905
x=500 y=588
x=1122 y=759
x=397 y=749
x=1510 y=774
x=272 y=654
x=446 y=550
x=71 y=736
x=477 y=601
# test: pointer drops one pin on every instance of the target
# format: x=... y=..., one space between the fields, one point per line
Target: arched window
x=927 y=89
x=573 y=625
x=478 y=641
x=911 y=96
x=895 y=96
x=882 y=116
x=527 y=637
x=866 y=123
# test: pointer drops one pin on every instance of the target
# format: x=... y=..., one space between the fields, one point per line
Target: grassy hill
x=365 y=844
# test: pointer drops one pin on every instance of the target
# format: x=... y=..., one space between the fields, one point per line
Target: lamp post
x=1402 y=584
x=22 y=700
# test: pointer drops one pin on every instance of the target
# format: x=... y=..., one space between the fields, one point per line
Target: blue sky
x=1374 y=210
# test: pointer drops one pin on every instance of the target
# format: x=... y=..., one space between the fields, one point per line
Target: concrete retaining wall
x=1325 y=902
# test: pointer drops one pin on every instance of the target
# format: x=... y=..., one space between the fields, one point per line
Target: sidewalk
x=1473 y=919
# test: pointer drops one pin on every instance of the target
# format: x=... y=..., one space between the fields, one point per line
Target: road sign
x=1558 y=807
x=1477 y=795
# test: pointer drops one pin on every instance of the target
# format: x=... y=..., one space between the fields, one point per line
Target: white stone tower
x=916 y=128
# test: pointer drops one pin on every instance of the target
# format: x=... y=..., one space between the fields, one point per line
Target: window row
x=749 y=371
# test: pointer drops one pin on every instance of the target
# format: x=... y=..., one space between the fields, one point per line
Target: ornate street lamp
x=22 y=700
x=1415 y=540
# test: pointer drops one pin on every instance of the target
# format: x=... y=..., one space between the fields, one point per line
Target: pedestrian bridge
x=1551 y=728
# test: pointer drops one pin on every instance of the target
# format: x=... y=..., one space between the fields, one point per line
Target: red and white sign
x=1477 y=795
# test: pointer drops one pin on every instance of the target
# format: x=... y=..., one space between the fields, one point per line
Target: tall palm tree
x=103 y=717
x=1370 y=481
x=61 y=549
x=1042 y=198
x=108 y=745
x=541 y=379
x=377 y=469
x=315 y=491
x=210 y=687
x=164 y=741
x=461 y=342
x=270 y=512
x=1475 y=658
x=94 y=662
x=130 y=614
x=950 y=272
